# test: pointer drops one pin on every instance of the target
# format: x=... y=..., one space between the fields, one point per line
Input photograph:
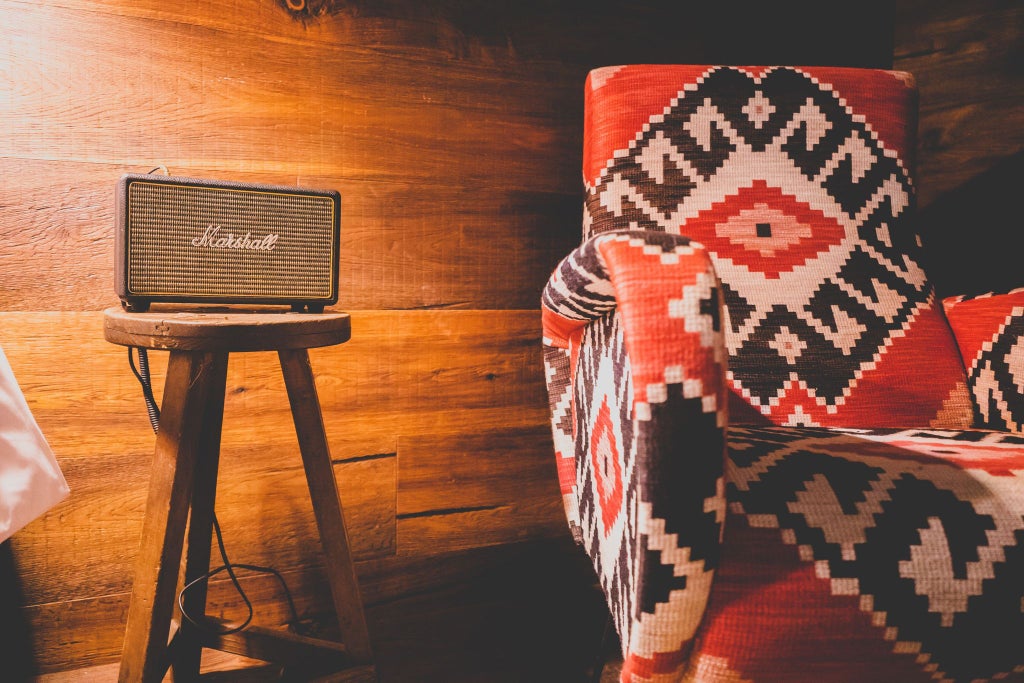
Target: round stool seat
x=225 y=330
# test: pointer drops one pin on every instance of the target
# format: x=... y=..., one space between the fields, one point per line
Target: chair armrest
x=989 y=330
x=636 y=375
x=578 y=292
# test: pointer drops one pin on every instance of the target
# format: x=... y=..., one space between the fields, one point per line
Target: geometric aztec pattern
x=751 y=240
x=646 y=504
x=605 y=454
x=917 y=534
x=990 y=331
x=806 y=215
x=575 y=295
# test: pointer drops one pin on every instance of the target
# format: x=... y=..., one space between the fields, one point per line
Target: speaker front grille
x=221 y=242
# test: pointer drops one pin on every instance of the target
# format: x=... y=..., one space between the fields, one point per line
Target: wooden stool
x=185 y=476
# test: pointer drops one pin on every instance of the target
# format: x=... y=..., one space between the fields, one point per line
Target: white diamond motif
x=758 y=109
x=788 y=345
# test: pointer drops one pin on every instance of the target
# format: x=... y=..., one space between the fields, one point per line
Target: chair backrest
x=798 y=180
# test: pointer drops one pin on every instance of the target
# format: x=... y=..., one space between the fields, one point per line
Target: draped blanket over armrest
x=635 y=364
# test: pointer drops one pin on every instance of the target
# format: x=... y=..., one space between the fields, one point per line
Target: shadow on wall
x=973 y=235
x=790 y=32
x=16 y=645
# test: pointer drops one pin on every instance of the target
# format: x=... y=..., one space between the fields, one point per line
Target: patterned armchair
x=768 y=441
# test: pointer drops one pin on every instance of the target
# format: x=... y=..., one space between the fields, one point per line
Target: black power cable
x=142 y=374
x=295 y=624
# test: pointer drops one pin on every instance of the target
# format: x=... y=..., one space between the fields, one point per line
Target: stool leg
x=323 y=489
x=144 y=655
x=188 y=653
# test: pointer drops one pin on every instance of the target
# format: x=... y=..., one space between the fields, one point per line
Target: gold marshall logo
x=214 y=240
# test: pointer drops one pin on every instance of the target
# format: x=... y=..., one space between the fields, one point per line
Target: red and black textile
x=868 y=555
x=990 y=331
x=797 y=182
x=635 y=375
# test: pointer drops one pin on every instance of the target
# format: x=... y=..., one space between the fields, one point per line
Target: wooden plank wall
x=967 y=61
x=452 y=131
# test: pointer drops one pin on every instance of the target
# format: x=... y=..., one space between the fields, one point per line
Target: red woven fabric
x=759 y=219
x=990 y=332
x=799 y=184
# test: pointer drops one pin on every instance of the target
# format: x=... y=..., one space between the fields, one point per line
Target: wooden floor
x=224 y=669
x=536 y=619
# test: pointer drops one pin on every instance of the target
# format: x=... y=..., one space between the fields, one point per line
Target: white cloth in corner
x=31 y=481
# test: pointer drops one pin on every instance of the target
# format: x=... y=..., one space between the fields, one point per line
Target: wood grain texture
x=475 y=470
x=190 y=379
x=966 y=58
x=966 y=61
x=202 y=517
x=439 y=375
x=327 y=503
x=373 y=116
x=496 y=489
x=412 y=367
x=224 y=329
x=463 y=616
x=87 y=546
x=403 y=244
x=431 y=195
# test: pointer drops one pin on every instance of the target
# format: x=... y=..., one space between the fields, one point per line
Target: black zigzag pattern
x=996 y=377
x=851 y=305
x=890 y=510
x=603 y=375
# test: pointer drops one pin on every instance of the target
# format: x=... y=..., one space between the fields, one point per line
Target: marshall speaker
x=196 y=241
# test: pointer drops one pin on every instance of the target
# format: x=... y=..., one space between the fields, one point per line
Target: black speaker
x=190 y=240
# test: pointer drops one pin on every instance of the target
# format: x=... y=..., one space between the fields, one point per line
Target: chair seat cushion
x=868 y=555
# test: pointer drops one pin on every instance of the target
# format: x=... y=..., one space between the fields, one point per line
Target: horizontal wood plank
x=964 y=59
x=462 y=530
x=398 y=365
x=401 y=245
x=447 y=374
x=478 y=471
x=248 y=109
x=88 y=633
x=87 y=545
x=956 y=146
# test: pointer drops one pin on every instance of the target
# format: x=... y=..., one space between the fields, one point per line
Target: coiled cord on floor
x=153 y=410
